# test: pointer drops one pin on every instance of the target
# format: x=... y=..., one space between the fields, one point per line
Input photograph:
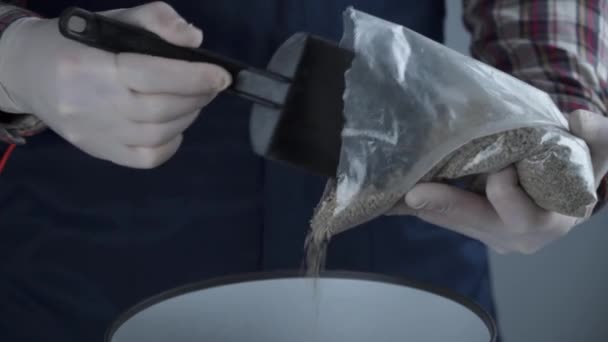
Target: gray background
x=561 y=293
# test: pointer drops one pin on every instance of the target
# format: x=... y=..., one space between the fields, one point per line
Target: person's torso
x=80 y=231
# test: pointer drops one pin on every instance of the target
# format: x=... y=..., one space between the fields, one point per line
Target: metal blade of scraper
x=307 y=131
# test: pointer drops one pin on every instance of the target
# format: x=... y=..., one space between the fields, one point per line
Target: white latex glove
x=127 y=108
x=508 y=220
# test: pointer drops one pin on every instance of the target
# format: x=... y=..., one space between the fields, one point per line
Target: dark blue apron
x=83 y=240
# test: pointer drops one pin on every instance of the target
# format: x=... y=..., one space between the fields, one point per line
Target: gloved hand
x=507 y=220
x=127 y=108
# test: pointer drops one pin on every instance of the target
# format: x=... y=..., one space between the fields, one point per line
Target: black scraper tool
x=297 y=116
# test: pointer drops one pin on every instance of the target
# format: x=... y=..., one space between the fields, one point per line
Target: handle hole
x=77 y=24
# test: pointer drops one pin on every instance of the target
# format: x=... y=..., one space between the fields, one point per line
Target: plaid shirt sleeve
x=14 y=128
x=558 y=46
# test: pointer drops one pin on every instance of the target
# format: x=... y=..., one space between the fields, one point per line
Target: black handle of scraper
x=111 y=35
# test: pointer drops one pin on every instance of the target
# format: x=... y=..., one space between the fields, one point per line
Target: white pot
x=285 y=307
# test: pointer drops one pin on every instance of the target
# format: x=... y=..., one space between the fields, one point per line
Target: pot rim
x=288 y=274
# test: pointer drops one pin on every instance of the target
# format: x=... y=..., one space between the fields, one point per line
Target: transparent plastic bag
x=417 y=111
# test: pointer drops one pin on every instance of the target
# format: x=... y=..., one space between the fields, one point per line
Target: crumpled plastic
x=415 y=108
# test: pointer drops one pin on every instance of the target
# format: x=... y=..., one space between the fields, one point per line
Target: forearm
x=15 y=127
x=556 y=46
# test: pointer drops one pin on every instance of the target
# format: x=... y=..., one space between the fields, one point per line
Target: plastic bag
x=416 y=110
